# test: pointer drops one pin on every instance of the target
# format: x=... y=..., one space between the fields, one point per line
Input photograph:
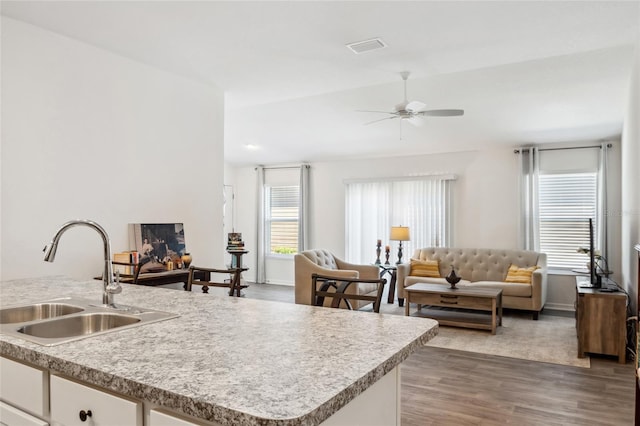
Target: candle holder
x=387 y=250
x=378 y=245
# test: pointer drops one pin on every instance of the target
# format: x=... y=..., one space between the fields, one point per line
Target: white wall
x=630 y=213
x=89 y=134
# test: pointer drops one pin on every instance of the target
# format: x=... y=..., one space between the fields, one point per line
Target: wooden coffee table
x=470 y=299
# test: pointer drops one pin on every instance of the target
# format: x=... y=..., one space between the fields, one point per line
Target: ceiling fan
x=412 y=111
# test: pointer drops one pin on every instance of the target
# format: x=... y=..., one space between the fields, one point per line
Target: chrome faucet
x=110 y=288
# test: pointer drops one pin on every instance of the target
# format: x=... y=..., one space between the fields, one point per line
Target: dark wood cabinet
x=601 y=322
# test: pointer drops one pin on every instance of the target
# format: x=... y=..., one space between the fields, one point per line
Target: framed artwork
x=157 y=241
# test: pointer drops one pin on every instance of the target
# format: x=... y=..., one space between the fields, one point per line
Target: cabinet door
x=69 y=400
x=11 y=416
x=159 y=418
x=24 y=386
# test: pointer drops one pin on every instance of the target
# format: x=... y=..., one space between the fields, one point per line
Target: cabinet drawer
x=11 y=416
x=24 y=386
x=69 y=399
x=424 y=298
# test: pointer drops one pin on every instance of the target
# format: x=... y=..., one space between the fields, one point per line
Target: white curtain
x=373 y=207
x=529 y=214
x=303 y=212
x=260 y=237
x=602 y=200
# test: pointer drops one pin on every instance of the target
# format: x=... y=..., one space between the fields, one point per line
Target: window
x=566 y=202
x=372 y=207
x=562 y=187
x=282 y=213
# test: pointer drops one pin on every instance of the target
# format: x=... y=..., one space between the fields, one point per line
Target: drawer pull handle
x=453 y=302
x=85 y=414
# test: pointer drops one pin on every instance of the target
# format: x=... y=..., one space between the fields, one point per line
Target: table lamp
x=399 y=233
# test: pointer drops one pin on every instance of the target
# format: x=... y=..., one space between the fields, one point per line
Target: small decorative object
x=452 y=278
x=169 y=265
x=378 y=245
x=186 y=260
x=387 y=250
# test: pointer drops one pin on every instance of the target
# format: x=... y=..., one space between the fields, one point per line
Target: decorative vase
x=452 y=278
x=186 y=260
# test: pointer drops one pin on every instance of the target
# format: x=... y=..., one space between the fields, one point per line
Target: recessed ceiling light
x=251 y=147
x=366 y=45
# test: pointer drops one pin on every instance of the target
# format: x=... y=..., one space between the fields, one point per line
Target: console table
x=158 y=278
x=601 y=321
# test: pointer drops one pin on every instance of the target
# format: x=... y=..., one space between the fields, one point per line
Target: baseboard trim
x=559 y=307
x=287 y=283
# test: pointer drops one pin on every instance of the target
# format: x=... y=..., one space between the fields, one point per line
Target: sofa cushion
x=508 y=289
x=424 y=268
x=520 y=275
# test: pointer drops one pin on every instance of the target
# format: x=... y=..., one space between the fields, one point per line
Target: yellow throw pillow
x=424 y=268
x=520 y=275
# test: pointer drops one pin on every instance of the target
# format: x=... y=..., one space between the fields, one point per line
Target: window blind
x=372 y=207
x=282 y=211
x=566 y=202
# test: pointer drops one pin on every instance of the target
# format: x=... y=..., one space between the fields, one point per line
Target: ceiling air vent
x=366 y=46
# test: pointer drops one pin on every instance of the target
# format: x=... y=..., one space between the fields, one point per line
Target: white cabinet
x=11 y=416
x=75 y=404
x=25 y=387
x=28 y=392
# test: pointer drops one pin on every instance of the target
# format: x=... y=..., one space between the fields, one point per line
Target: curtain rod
x=282 y=167
x=517 y=151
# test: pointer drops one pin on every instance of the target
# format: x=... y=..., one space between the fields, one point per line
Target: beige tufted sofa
x=484 y=268
x=322 y=262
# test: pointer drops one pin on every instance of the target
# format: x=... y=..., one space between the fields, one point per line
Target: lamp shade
x=399 y=233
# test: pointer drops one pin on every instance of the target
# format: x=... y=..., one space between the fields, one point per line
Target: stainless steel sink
x=35 y=312
x=78 y=325
x=59 y=321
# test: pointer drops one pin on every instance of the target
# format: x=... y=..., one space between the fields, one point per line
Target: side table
x=392 y=270
x=601 y=320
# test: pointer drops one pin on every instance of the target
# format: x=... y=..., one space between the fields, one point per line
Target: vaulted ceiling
x=524 y=72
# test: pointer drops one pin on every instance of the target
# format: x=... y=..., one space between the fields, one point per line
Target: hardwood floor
x=446 y=387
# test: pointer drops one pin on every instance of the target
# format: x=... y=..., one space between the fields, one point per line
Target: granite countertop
x=231 y=360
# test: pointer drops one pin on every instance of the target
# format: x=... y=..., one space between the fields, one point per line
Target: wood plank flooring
x=446 y=387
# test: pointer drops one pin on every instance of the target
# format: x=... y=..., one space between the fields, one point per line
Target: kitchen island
x=227 y=360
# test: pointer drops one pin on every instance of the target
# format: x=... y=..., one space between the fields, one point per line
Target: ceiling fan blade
x=415 y=106
x=383 y=112
x=401 y=106
x=441 y=113
x=381 y=119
